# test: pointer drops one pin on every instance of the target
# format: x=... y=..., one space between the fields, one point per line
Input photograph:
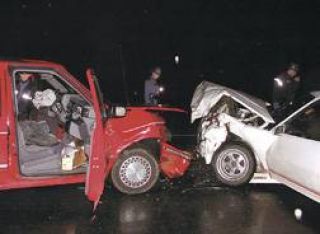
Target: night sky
x=242 y=44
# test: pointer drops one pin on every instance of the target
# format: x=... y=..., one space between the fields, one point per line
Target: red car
x=55 y=131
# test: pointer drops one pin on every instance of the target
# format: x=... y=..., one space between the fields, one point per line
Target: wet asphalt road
x=253 y=209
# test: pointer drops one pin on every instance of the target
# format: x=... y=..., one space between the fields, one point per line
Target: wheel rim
x=232 y=164
x=135 y=172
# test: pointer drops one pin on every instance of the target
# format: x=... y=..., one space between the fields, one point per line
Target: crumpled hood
x=208 y=94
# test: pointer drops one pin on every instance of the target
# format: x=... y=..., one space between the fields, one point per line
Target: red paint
x=110 y=137
x=98 y=163
x=174 y=162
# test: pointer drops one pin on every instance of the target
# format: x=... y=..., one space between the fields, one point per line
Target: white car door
x=294 y=158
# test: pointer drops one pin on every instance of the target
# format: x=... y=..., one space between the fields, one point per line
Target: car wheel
x=234 y=165
x=136 y=171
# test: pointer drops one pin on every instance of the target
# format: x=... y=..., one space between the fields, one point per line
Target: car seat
x=39 y=150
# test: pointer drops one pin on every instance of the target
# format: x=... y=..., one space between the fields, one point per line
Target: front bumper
x=174 y=162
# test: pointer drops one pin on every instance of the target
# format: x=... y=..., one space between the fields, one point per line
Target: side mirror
x=280 y=129
x=119 y=111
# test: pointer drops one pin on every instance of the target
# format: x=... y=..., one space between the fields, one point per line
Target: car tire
x=136 y=171
x=234 y=165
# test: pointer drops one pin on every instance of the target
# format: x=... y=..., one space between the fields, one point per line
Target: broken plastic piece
x=174 y=162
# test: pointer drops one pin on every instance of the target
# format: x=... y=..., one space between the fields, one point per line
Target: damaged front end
x=228 y=115
x=174 y=162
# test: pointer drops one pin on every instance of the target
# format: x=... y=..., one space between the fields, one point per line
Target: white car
x=239 y=137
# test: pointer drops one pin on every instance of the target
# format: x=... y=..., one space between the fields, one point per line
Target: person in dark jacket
x=24 y=92
x=285 y=88
x=152 y=89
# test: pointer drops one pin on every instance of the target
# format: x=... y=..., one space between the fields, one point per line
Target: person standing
x=285 y=88
x=152 y=89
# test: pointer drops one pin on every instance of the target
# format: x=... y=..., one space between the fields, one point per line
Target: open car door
x=294 y=157
x=97 y=170
x=4 y=129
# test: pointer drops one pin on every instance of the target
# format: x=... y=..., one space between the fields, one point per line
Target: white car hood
x=208 y=94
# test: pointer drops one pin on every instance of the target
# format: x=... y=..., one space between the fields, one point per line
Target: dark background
x=242 y=44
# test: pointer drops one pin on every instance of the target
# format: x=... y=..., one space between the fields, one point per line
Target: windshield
x=288 y=110
x=299 y=102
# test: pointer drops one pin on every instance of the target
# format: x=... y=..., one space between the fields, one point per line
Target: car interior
x=54 y=125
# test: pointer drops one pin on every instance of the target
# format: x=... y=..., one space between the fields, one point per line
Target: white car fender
x=258 y=139
x=213 y=139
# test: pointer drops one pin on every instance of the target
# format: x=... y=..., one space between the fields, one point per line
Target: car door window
x=36 y=91
x=307 y=123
